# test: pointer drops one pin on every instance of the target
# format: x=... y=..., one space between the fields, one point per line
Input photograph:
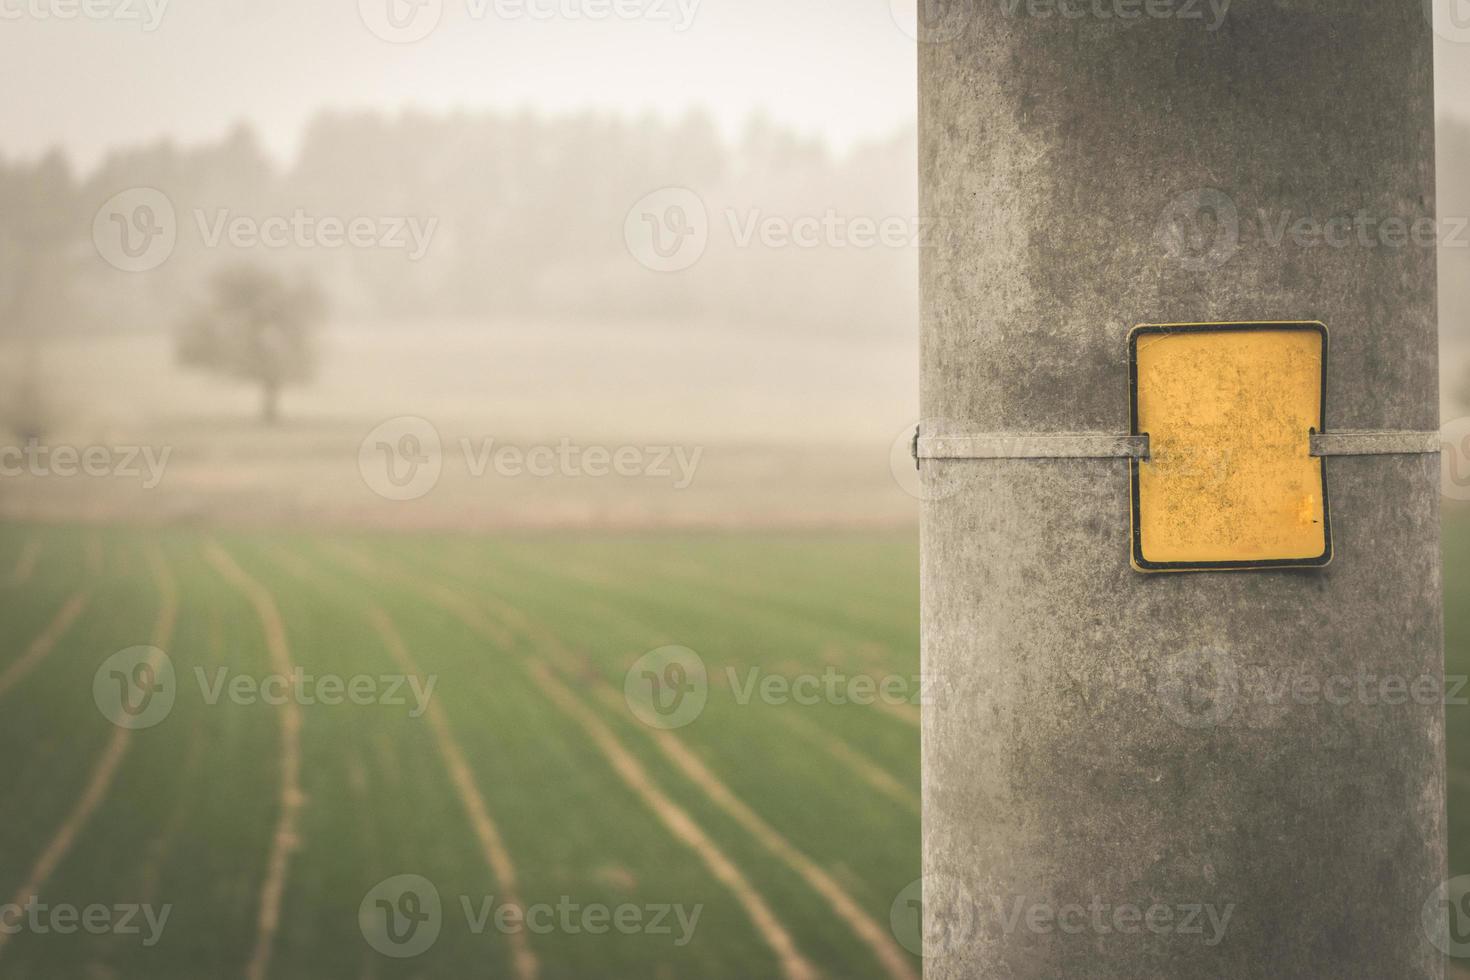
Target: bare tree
x=256 y=327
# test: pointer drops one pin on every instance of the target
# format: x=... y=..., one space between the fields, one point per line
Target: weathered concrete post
x=1220 y=774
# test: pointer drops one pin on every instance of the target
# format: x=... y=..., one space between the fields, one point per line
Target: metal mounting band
x=1356 y=442
x=1035 y=445
x=1104 y=445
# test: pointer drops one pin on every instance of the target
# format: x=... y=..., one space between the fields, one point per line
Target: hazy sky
x=840 y=68
x=837 y=67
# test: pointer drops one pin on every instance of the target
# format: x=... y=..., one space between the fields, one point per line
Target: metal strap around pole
x=1355 y=442
x=1034 y=445
x=1107 y=445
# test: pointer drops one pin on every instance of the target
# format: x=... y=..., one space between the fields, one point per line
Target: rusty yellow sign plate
x=1230 y=481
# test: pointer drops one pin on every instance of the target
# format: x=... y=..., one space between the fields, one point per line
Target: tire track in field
x=292 y=799
x=157 y=850
x=682 y=568
x=41 y=647
x=103 y=773
x=25 y=564
x=492 y=844
x=866 y=769
x=353 y=558
x=909 y=712
x=872 y=933
x=867 y=929
x=906 y=713
x=794 y=965
x=685 y=568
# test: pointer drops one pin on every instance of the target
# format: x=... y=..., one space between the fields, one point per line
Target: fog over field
x=493 y=294
x=482 y=256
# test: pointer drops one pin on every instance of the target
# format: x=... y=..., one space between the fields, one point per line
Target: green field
x=528 y=780
x=264 y=827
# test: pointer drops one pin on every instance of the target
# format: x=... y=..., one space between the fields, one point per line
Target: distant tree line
x=530 y=223
x=529 y=219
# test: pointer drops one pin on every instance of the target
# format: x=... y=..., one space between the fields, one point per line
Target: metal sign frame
x=1139 y=561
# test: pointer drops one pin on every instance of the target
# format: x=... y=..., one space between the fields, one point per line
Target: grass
x=530 y=638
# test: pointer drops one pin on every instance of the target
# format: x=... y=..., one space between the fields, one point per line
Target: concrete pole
x=1116 y=784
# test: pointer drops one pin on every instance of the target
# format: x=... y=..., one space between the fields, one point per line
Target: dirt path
x=292 y=799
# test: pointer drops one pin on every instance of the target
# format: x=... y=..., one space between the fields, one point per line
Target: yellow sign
x=1229 y=481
